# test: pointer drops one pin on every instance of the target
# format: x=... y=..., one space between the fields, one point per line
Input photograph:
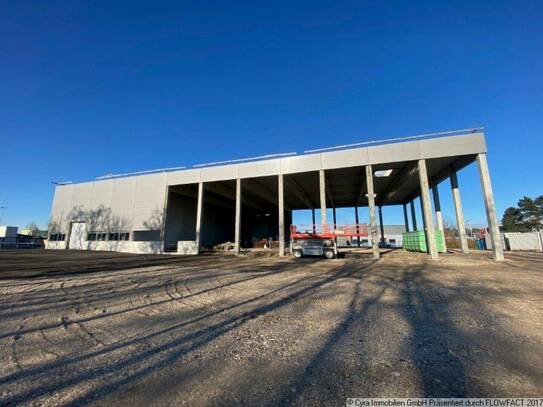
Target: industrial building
x=184 y=209
x=11 y=238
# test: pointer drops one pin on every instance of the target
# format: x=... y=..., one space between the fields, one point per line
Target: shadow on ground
x=267 y=331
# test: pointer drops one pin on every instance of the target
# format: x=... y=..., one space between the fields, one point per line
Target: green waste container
x=416 y=241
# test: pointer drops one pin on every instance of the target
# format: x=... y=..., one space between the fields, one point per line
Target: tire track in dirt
x=14 y=340
x=76 y=326
x=197 y=297
x=170 y=289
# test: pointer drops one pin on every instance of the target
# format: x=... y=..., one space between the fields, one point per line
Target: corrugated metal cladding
x=394 y=229
x=138 y=200
x=524 y=241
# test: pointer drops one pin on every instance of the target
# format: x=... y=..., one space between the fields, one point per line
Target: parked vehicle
x=314 y=247
x=321 y=240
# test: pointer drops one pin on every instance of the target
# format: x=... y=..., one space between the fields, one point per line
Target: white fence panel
x=524 y=241
x=488 y=241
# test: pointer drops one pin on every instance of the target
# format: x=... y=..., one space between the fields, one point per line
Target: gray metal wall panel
x=311 y=162
x=259 y=168
x=135 y=202
x=62 y=202
x=453 y=146
x=183 y=177
x=82 y=194
x=220 y=173
x=149 y=199
x=395 y=152
x=390 y=153
x=63 y=197
x=102 y=193
x=122 y=199
x=341 y=159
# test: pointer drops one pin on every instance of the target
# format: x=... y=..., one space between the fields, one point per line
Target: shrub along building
x=242 y=200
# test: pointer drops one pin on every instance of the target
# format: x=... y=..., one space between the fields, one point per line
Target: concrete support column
x=357 y=224
x=322 y=185
x=490 y=207
x=371 y=204
x=281 y=205
x=413 y=215
x=427 y=210
x=422 y=212
x=459 y=213
x=439 y=214
x=199 y=212
x=405 y=217
x=381 y=224
x=238 y=217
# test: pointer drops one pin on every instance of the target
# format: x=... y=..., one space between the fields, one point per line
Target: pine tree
x=512 y=220
x=528 y=216
x=532 y=214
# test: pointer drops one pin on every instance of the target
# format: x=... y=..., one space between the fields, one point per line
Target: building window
x=117 y=236
x=57 y=237
x=91 y=236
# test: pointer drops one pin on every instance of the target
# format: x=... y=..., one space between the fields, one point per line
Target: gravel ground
x=111 y=329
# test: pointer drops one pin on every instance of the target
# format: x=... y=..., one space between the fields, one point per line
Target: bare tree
x=33 y=228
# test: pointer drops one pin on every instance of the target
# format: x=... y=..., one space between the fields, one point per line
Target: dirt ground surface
x=115 y=329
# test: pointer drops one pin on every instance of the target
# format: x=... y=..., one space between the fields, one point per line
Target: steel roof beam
x=228 y=193
x=403 y=174
x=292 y=185
x=261 y=191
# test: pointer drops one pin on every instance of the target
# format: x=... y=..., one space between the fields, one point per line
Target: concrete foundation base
x=187 y=247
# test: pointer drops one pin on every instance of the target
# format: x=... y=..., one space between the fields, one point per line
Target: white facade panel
x=259 y=169
x=63 y=193
x=120 y=246
x=102 y=193
x=123 y=194
x=56 y=245
x=62 y=200
x=144 y=222
x=183 y=177
x=152 y=179
x=341 y=159
x=82 y=195
x=304 y=163
x=394 y=153
x=451 y=146
x=148 y=202
x=220 y=173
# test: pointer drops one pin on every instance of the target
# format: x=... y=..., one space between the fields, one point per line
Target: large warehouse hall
x=183 y=210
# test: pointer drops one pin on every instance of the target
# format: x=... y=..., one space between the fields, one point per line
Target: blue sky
x=89 y=88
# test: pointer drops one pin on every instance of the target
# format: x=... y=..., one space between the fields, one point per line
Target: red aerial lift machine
x=321 y=239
